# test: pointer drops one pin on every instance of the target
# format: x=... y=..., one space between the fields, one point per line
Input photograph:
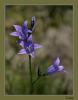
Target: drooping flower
x=56 y=67
x=29 y=48
x=22 y=32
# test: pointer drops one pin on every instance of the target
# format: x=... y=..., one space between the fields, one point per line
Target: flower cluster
x=25 y=38
x=28 y=46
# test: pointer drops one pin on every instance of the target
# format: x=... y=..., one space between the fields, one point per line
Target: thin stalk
x=43 y=75
x=31 y=85
x=36 y=80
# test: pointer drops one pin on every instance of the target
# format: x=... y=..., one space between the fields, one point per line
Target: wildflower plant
x=28 y=47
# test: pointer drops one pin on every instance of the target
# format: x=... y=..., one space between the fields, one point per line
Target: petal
x=36 y=46
x=51 y=71
x=22 y=51
x=57 y=61
x=29 y=31
x=32 y=54
x=25 y=24
x=24 y=27
x=18 y=28
x=60 y=68
x=20 y=37
x=30 y=38
x=21 y=43
x=14 y=34
x=50 y=68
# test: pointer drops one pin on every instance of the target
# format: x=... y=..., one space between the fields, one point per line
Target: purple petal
x=20 y=37
x=30 y=38
x=21 y=43
x=60 y=68
x=50 y=68
x=32 y=54
x=36 y=46
x=25 y=24
x=18 y=28
x=14 y=34
x=29 y=31
x=22 y=51
x=57 y=61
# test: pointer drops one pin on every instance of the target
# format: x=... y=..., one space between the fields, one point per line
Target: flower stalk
x=30 y=71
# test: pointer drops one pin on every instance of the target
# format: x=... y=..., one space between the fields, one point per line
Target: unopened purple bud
x=32 y=23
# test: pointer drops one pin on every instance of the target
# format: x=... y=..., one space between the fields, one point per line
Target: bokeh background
x=53 y=30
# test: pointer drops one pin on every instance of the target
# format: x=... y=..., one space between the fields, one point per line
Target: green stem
x=36 y=80
x=31 y=85
x=43 y=75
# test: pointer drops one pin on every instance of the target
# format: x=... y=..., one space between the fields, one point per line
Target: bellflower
x=56 y=67
x=22 y=32
x=29 y=48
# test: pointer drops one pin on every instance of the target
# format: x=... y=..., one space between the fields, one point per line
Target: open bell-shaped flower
x=29 y=48
x=21 y=31
x=56 y=67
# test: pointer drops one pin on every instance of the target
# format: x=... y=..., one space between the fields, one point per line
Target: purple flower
x=56 y=67
x=32 y=24
x=22 y=32
x=25 y=38
x=29 y=48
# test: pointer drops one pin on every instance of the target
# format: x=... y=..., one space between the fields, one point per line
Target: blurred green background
x=53 y=30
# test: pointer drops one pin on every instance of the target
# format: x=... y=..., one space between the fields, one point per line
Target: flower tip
x=57 y=61
x=14 y=34
x=33 y=17
x=37 y=46
x=58 y=58
x=32 y=54
x=61 y=68
x=25 y=23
